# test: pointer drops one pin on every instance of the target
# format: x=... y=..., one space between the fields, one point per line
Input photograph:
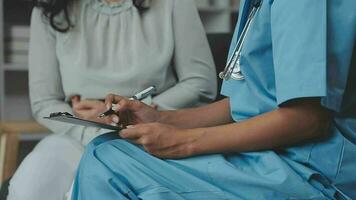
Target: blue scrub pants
x=116 y=169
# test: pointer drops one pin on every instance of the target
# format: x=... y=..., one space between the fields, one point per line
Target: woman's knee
x=51 y=164
x=58 y=148
x=101 y=139
x=59 y=143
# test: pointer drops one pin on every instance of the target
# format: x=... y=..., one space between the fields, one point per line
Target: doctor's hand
x=90 y=109
x=160 y=140
x=132 y=112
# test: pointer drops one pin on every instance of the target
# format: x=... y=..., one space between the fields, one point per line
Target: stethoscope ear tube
x=232 y=68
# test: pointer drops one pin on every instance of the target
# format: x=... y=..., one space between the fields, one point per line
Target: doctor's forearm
x=214 y=114
x=290 y=125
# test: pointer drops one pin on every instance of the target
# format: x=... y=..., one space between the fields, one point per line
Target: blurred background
x=19 y=133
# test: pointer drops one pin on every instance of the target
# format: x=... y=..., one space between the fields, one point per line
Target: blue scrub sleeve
x=299 y=44
x=341 y=96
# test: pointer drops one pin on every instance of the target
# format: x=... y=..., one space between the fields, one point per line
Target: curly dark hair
x=53 y=8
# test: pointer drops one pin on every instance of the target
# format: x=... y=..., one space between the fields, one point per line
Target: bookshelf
x=14 y=21
x=2 y=81
x=14 y=40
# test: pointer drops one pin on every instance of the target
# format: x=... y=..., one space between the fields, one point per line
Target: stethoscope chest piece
x=232 y=72
x=236 y=72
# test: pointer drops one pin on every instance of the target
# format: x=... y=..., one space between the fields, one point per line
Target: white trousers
x=48 y=171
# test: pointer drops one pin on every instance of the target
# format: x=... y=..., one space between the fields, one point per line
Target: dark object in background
x=219 y=45
x=4 y=189
x=18 y=11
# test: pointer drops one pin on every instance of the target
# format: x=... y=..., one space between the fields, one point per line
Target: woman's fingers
x=85 y=104
x=75 y=100
x=83 y=114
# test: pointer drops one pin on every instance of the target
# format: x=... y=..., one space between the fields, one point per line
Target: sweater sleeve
x=46 y=92
x=193 y=62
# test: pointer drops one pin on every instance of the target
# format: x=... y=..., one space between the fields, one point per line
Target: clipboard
x=68 y=118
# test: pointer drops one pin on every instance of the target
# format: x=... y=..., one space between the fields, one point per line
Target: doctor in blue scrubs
x=287 y=129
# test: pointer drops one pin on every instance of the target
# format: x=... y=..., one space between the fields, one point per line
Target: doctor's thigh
x=48 y=171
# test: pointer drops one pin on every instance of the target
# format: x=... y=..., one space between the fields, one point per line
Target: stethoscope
x=233 y=68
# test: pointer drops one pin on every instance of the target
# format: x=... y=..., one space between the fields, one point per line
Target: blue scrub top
x=297 y=49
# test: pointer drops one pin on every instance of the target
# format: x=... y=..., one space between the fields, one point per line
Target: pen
x=144 y=93
x=139 y=96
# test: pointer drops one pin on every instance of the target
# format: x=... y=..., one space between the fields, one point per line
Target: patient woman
x=286 y=131
x=95 y=47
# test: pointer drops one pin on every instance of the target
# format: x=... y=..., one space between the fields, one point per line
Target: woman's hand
x=160 y=140
x=132 y=111
x=90 y=109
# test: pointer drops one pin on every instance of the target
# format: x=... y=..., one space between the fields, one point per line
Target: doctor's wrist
x=194 y=143
x=164 y=117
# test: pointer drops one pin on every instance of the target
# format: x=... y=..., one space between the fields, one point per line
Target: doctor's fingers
x=126 y=104
x=122 y=103
x=135 y=133
x=112 y=99
x=112 y=120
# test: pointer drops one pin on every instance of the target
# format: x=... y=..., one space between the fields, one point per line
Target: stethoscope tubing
x=226 y=74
